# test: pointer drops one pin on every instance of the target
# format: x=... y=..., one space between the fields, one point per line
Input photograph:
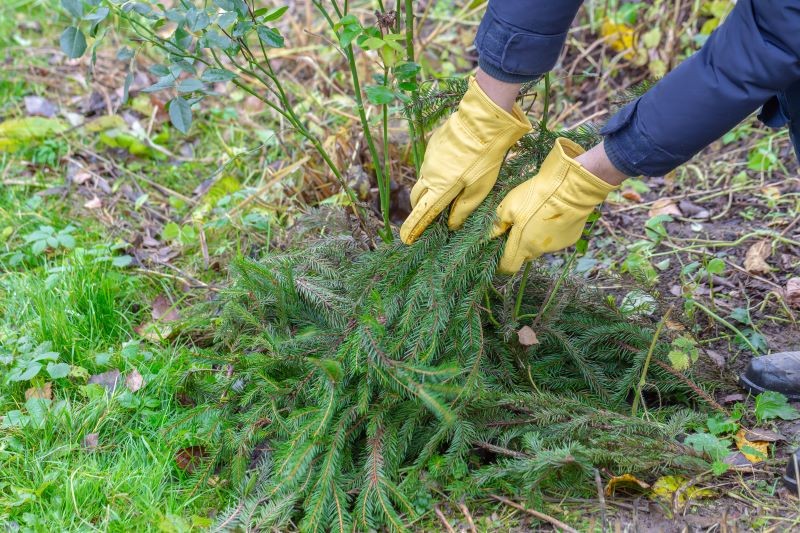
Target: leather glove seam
x=474 y=176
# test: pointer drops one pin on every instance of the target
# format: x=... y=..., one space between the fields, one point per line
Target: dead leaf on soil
x=674 y=325
x=108 y=380
x=737 y=461
x=81 y=177
x=189 y=458
x=694 y=211
x=94 y=203
x=527 y=337
x=134 y=381
x=163 y=310
x=755 y=261
x=664 y=206
x=38 y=106
x=623 y=482
x=736 y=397
x=764 y=435
x=793 y=292
x=91 y=442
x=717 y=357
x=45 y=392
x=772 y=192
x=633 y=196
x=754 y=451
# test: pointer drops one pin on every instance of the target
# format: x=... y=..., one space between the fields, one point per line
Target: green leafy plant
x=185 y=235
x=770 y=405
x=230 y=41
x=48 y=238
x=26 y=360
x=376 y=375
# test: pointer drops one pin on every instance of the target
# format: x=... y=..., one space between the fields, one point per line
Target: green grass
x=83 y=303
x=50 y=482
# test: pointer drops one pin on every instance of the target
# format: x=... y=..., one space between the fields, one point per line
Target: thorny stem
x=638 y=395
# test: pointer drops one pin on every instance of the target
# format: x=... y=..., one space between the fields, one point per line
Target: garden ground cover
x=115 y=232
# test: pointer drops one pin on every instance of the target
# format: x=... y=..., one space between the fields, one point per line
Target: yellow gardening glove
x=548 y=212
x=462 y=161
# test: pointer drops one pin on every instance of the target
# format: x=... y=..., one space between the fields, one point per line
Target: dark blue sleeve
x=751 y=57
x=519 y=40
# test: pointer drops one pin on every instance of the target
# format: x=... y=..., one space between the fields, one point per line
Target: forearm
x=751 y=57
x=520 y=40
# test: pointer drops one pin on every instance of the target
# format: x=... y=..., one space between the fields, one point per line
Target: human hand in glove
x=548 y=212
x=462 y=161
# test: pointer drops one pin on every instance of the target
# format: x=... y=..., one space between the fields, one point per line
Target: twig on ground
x=443 y=519
x=467 y=516
x=600 y=497
x=541 y=516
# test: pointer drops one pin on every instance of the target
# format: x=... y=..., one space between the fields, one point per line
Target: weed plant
x=362 y=380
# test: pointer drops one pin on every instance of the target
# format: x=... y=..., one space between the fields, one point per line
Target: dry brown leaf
x=189 y=458
x=735 y=397
x=716 y=357
x=45 y=392
x=527 y=337
x=94 y=203
x=674 y=325
x=81 y=177
x=664 y=206
x=108 y=380
x=91 y=441
x=134 y=380
x=793 y=292
x=755 y=261
x=625 y=481
x=737 y=461
x=163 y=310
x=633 y=196
x=745 y=446
x=38 y=106
x=763 y=435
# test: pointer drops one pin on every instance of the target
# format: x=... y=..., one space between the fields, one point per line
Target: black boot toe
x=778 y=372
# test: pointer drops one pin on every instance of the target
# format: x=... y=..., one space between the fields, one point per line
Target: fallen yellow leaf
x=620 y=37
x=665 y=487
x=748 y=447
x=625 y=480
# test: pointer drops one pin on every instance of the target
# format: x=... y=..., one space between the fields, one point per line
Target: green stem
x=725 y=323
x=637 y=397
x=546 y=109
x=521 y=290
x=415 y=128
x=524 y=281
x=490 y=314
x=386 y=233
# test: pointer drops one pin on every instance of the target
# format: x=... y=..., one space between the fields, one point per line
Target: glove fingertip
x=499 y=228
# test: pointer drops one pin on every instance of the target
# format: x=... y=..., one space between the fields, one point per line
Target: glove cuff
x=579 y=186
x=487 y=121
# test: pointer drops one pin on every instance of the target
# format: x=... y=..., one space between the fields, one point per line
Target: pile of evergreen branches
x=365 y=379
